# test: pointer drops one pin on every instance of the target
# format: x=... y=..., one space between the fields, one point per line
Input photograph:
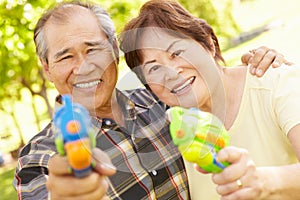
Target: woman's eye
x=176 y=53
x=154 y=68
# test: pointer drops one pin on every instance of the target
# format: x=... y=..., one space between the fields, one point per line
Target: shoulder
x=286 y=78
x=147 y=106
x=276 y=78
x=33 y=162
x=142 y=97
x=41 y=142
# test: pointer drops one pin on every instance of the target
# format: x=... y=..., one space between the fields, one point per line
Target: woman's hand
x=241 y=179
x=62 y=184
x=262 y=58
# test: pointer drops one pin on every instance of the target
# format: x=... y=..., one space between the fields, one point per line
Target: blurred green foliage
x=6 y=190
x=21 y=75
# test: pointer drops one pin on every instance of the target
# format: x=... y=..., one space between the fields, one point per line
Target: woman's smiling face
x=179 y=71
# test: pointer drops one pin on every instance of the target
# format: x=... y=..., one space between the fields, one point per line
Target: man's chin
x=87 y=102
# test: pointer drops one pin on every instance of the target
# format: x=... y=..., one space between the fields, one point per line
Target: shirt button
x=132 y=137
x=154 y=172
x=108 y=122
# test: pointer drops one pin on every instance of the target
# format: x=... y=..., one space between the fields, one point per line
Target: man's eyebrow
x=97 y=43
x=92 y=44
x=60 y=53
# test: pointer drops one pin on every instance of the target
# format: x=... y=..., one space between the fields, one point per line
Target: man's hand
x=62 y=184
x=262 y=58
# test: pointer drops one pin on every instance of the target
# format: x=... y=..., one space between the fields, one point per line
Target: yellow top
x=270 y=107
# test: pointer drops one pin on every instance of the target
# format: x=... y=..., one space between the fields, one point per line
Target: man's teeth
x=87 y=85
x=183 y=86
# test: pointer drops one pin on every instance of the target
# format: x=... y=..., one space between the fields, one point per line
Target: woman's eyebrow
x=169 y=47
x=172 y=44
x=149 y=62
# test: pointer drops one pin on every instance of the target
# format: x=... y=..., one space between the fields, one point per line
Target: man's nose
x=84 y=68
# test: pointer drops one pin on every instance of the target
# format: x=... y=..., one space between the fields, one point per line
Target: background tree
x=21 y=74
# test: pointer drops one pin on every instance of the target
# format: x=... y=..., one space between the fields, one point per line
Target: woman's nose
x=173 y=73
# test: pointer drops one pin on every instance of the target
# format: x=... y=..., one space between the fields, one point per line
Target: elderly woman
x=177 y=57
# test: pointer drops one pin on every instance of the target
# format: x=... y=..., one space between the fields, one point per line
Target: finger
x=229 y=187
x=230 y=173
x=105 y=198
x=279 y=60
x=94 y=195
x=103 y=163
x=258 y=55
x=230 y=154
x=246 y=58
x=59 y=165
x=288 y=63
x=244 y=193
x=267 y=61
x=64 y=185
x=238 y=158
x=200 y=169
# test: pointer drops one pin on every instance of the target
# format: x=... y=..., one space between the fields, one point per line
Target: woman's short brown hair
x=169 y=15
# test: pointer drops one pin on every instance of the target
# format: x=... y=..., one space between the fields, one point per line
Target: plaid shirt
x=148 y=165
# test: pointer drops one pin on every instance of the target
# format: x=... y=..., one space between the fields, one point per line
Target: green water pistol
x=199 y=136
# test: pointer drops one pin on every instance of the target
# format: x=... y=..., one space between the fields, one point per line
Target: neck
x=111 y=110
x=226 y=94
x=234 y=82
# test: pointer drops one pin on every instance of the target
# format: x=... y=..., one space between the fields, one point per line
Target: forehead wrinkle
x=64 y=13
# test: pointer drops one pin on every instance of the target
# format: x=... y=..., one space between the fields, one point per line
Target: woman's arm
x=243 y=180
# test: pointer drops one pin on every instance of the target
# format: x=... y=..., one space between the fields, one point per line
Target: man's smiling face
x=80 y=59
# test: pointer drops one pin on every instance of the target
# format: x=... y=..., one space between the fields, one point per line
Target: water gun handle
x=205 y=156
x=73 y=136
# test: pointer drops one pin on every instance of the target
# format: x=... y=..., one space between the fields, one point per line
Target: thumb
x=230 y=154
x=103 y=165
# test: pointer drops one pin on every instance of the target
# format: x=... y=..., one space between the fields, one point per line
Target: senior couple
x=178 y=59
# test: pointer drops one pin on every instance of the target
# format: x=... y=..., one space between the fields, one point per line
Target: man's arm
x=32 y=168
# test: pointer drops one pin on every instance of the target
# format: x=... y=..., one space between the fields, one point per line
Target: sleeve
x=32 y=168
x=287 y=98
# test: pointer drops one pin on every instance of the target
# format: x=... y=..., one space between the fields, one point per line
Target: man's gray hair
x=59 y=13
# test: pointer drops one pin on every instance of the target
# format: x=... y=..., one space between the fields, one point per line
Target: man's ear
x=46 y=69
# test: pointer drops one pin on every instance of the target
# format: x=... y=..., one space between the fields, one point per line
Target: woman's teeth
x=88 y=84
x=183 y=86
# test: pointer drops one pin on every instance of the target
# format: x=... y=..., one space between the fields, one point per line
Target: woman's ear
x=46 y=69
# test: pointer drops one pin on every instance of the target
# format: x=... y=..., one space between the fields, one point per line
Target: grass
x=7 y=190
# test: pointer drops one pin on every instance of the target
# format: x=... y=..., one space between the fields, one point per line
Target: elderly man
x=78 y=50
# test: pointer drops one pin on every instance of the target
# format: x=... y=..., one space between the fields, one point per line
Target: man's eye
x=176 y=53
x=92 y=50
x=65 y=57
